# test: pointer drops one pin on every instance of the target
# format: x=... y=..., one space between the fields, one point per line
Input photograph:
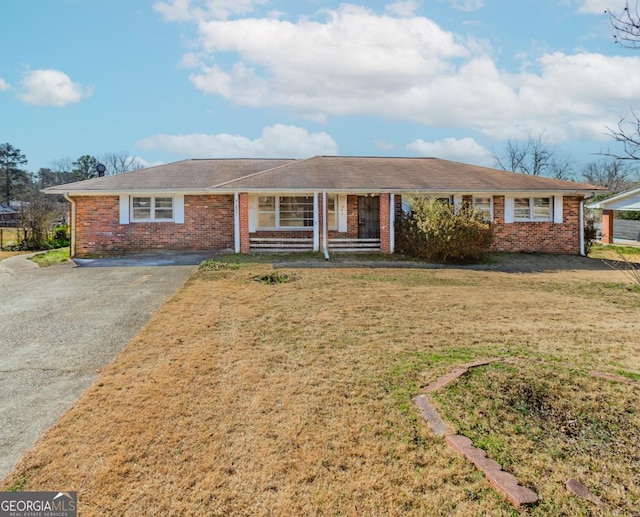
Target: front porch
x=316 y=222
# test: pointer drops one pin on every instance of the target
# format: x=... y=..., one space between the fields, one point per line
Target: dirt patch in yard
x=251 y=398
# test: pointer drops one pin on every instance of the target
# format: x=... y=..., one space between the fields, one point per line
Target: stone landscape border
x=504 y=482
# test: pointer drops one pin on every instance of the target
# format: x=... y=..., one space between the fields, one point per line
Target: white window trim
x=336 y=211
x=473 y=203
x=531 y=218
x=152 y=215
x=278 y=227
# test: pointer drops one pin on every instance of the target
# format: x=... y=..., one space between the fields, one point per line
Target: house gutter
x=236 y=223
x=582 y=228
x=72 y=232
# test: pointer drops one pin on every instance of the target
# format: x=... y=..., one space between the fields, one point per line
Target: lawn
x=8 y=237
x=262 y=391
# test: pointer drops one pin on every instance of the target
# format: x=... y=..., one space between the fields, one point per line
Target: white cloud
x=600 y=6
x=465 y=5
x=146 y=163
x=465 y=150
x=354 y=61
x=404 y=8
x=199 y=10
x=4 y=85
x=277 y=141
x=51 y=88
x=346 y=65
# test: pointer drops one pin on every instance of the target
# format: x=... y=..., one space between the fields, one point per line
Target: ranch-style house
x=325 y=203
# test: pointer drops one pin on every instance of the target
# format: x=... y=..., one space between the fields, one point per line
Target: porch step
x=280 y=245
x=354 y=245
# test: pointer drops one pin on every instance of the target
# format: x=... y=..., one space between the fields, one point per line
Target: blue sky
x=166 y=80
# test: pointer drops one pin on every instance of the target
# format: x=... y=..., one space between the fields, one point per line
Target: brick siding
x=208 y=225
x=542 y=237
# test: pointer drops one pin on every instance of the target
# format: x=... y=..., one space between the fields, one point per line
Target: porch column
x=385 y=223
x=607 y=226
x=316 y=222
x=243 y=217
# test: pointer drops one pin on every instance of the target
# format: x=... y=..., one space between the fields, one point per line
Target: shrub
x=60 y=237
x=439 y=232
x=632 y=215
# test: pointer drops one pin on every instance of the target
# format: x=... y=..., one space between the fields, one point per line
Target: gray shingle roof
x=7 y=210
x=332 y=173
x=187 y=175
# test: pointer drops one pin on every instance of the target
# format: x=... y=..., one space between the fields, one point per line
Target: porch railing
x=354 y=245
x=280 y=245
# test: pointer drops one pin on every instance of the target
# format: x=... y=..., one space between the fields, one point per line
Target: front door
x=368 y=217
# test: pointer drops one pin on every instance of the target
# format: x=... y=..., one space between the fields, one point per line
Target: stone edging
x=504 y=482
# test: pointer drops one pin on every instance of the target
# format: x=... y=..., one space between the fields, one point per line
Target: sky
x=167 y=80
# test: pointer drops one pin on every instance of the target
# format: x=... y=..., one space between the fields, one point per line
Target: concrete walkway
x=60 y=325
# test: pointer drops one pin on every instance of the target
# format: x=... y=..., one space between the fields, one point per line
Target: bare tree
x=626 y=28
x=628 y=134
x=561 y=167
x=534 y=157
x=61 y=165
x=611 y=173
x=117 y=163
x=39 y=213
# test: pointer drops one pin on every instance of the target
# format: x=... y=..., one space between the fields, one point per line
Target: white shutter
x=457 y=202
x=557 y=209
x=508 y=209
x=178 y=209
x=124 y=209
x=341 y=214
x=253 y=214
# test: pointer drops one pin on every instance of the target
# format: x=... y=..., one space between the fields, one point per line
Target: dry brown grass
x=8 y=237
x=244 y=398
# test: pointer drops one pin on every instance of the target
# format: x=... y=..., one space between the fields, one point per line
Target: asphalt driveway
x=61 y=324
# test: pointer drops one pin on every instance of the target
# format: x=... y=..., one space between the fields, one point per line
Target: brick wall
x=208 y=225
x=543 y=237
x=385 y=227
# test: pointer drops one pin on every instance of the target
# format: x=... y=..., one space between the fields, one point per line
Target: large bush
x=439 y=232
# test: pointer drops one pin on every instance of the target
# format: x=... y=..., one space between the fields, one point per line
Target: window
x=532 y=209
x=541 y=209
x=483 y=204
x=267 y=212
x=521 y=210
x=152 y=208
x=332 y=220
x=285 y=212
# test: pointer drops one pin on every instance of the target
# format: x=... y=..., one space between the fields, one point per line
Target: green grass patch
x=52 y=257
x=608 y=251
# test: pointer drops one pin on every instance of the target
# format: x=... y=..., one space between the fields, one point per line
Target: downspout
x=72 y=226
x=392 y=223
x=582 y=228
x=325 y=246
x=236 y=222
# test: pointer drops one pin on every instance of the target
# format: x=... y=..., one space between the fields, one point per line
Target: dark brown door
x=368 y=217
